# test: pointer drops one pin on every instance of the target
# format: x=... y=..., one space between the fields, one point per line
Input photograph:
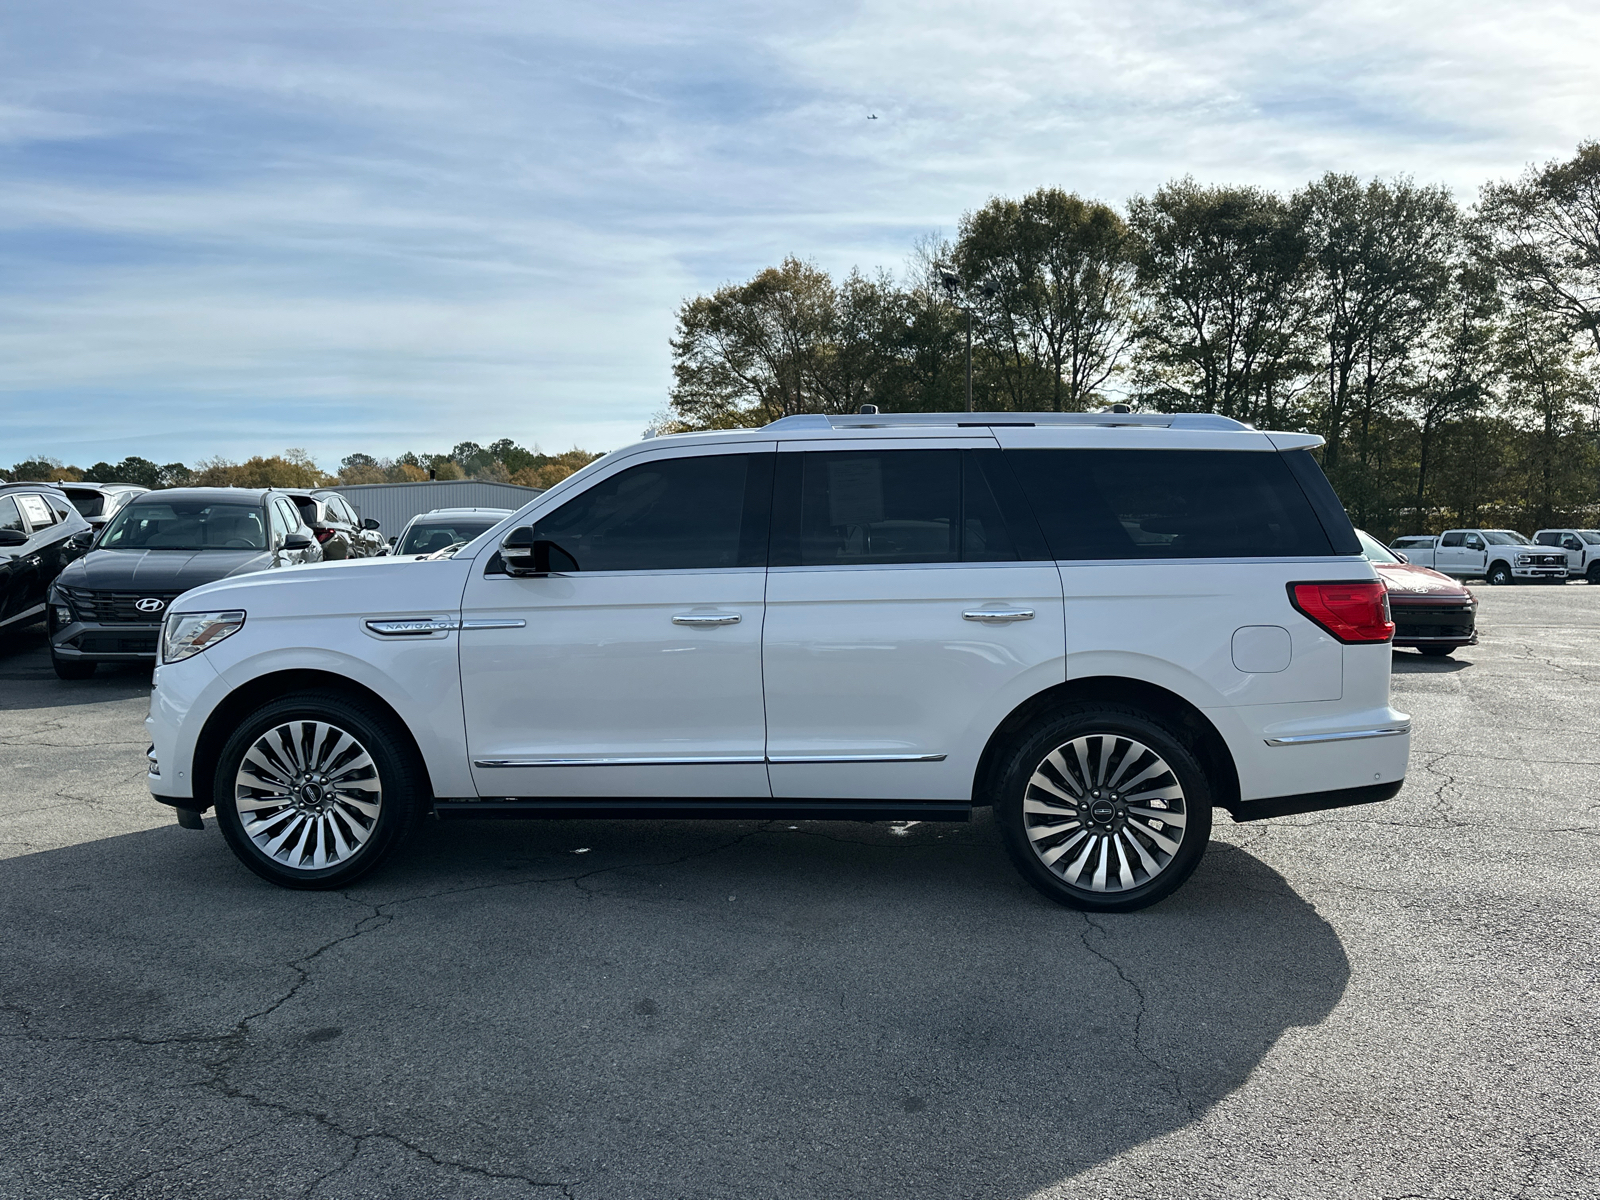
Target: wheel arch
x=225 y=718
x=1186 y=719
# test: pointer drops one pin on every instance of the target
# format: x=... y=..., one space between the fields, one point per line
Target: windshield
x=1374 y=550
x=88 y=504
x=186 y=525
x=1592 y=536
x=1505 y=537
x=429 y=537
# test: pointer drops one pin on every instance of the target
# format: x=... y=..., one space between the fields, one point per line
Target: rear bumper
x=1285 y=806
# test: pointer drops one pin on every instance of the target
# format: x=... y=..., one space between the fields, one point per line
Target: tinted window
x=186 y=525
x=88 y=504
x=1453 y=539
x=1547 y=539
x=429 y=537
x=1096 y=504
x=10 y=517
x=692 y=513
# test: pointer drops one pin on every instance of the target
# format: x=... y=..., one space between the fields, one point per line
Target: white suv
x=1102 y=625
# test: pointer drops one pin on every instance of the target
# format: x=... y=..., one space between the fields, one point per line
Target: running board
x=680 y=809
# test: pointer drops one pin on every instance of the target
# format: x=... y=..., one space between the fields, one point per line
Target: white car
x=1581 y=547
x=443 y=529
x=1102 y=625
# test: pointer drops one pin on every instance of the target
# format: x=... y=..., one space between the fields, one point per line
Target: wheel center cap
x=311 y=793
x=1102 y=811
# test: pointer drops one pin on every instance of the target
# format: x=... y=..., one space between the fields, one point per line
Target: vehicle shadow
x=1409 y=662
x=628 y=1009
x=31 y=681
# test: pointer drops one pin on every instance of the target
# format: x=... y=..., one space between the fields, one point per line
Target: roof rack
x=1003 y=419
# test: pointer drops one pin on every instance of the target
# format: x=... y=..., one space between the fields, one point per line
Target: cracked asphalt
x=1395 y=1001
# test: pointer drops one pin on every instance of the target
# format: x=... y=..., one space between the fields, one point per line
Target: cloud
x=232 y=228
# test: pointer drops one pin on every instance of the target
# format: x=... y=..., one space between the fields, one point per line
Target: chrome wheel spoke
x=1123 y=829
x=308 y=794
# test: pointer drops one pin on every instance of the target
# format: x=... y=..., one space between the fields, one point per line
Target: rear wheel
x=1103 y=808
x=316 y=790
x=1499 y=574
x=1436 y=651
x=72 y=668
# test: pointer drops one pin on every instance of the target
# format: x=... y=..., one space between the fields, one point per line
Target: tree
x=1222 y=271
x=1551 y=393
x=1062 y=273
x=1546 y=229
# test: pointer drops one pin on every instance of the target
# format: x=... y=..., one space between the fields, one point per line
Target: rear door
x=905 y=617
x=44 y=548
x=17 y=569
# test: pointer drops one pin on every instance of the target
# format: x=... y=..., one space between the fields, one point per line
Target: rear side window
x=1123 y=504
x=10 y=518
x=88 y=504
x=694 y=513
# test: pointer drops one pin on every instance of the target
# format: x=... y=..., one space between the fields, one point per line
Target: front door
x=634 y=670
x=905 y=617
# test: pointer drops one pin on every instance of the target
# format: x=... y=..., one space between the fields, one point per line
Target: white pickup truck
x=1581 y=546
x=1497 y=555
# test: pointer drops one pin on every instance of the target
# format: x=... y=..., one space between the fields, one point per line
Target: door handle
x=997 y=616
x=699 y=619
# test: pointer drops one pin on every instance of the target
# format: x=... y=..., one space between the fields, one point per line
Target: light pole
x=952 y=287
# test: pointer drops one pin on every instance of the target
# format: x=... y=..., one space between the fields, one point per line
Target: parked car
x=1496 y=555
x=1581 y=547
x=99 y=502
x=108 y=605
x=1104 y=626
x=40 y=533
x=338 y=530
x=1432 y=612
x=439 y=530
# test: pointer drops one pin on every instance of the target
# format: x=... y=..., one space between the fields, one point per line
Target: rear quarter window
x=1143 y=504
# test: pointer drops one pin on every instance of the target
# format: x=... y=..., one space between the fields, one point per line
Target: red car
x=1432 y=612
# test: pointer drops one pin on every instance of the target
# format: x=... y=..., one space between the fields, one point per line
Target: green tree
x=1551 y=394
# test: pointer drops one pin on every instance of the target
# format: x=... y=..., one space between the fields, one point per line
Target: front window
x=430 y=537
x=186 y=525
x=1374 y=550
x=1505 y=537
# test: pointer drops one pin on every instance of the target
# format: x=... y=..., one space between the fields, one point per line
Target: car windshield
x=1592 y=536
x=1505 y=537
x=187 y=525
x=88 y=504
x=429 y=537
x=1374 y=550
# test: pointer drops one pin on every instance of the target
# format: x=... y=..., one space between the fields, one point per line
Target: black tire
x=72 y=668
x=1436 y=651
x=1499 y=574
x=1593 y=575
x=1091 y=829
x=345 y=781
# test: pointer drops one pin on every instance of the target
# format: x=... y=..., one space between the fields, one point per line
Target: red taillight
x=1352 y=612
x=324 y=534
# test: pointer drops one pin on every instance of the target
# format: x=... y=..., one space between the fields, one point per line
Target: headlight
x=184 y=635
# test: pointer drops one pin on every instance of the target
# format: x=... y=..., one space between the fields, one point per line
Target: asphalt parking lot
x=1397 y=1001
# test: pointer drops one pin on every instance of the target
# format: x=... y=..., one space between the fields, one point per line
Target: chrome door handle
x=997 y=616
x=707 y=619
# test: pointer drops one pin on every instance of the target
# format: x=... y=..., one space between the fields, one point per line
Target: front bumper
x=1538 y=572
x=1434 y=624
x=90 y=641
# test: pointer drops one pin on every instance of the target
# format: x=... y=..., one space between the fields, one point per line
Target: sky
x=229 y=229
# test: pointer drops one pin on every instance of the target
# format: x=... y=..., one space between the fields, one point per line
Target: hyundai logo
x=150 y=604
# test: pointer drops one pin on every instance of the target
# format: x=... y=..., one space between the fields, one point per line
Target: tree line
x=503 y=462
x=1447 y=354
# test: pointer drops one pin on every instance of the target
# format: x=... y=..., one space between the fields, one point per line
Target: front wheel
x=316 y=790
x=1499 y=574
x=1103 y=808
x=1436 y=651
x=1593 y=574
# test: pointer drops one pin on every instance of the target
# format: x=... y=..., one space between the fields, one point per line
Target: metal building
x=393 y=504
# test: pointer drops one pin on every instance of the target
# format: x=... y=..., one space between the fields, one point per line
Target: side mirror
x=12 y=537
x=527 y=556
x=84 y=538
x=1400 y=554
x=370 y=523
x=297 y=541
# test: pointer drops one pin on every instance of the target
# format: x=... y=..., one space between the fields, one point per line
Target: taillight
x=1352 y=612
x=324 y=534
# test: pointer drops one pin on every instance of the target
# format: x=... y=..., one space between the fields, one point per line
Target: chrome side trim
x=787 y=759
x=493 y=623
x=714 y=760
x=415 y=626
x=747 y=759
x=1303 y=739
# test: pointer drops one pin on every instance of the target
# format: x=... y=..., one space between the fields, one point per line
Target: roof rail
x=1001 y=419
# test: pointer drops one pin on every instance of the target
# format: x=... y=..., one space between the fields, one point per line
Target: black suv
x=40 y=533
x=108 y=606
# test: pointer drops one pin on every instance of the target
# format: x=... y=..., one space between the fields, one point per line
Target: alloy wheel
x=308 y=795
x=1105 y=813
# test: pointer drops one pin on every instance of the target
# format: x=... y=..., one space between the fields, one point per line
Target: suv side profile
x=1104 y=626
